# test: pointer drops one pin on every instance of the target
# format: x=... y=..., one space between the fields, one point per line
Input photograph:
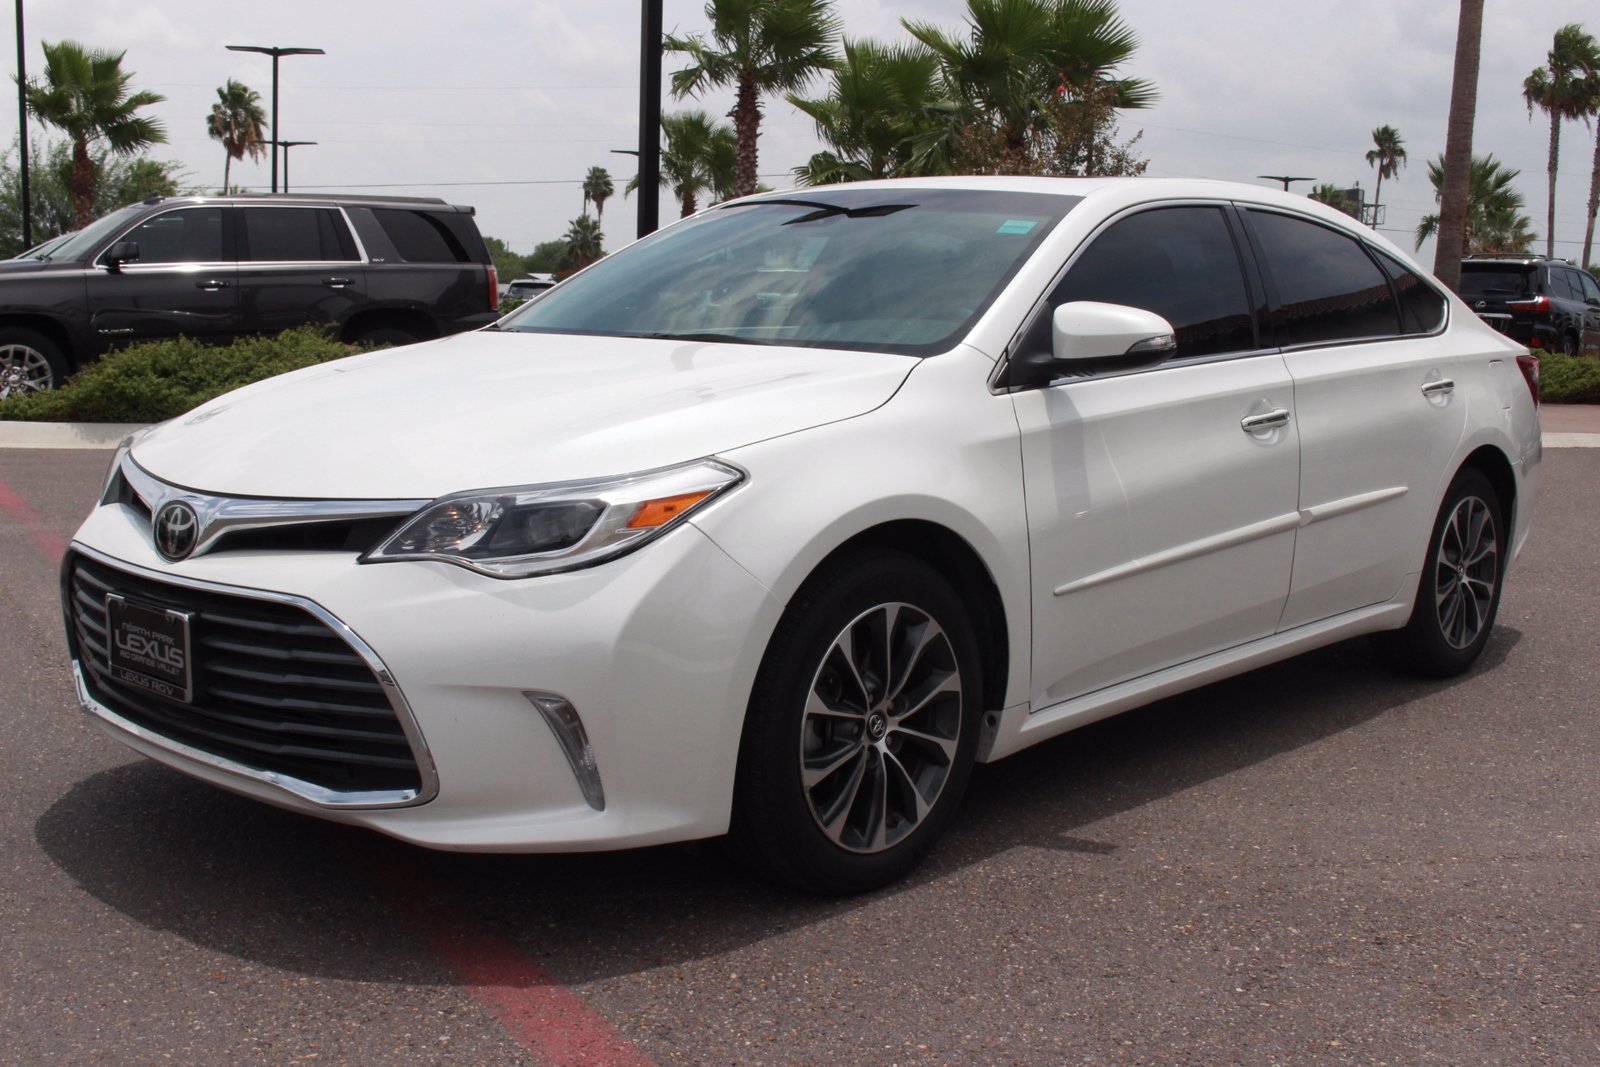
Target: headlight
x=124 y=446
x=543 y=529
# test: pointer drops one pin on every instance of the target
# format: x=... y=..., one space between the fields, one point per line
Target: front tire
x=1458 y=594
x=29 y=363
x=862 y=727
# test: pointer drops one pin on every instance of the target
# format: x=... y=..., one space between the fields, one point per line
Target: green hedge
x=163 y=379
x=1569 y=379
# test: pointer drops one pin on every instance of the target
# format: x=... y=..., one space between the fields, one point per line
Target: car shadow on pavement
x=288 y=891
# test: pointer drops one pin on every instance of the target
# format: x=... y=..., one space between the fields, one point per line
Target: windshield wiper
x=825 y=211
x=705 y=336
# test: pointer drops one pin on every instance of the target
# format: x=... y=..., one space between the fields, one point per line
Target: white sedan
x=775 y=522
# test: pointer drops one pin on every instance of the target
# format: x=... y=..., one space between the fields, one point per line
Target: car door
x=297 y=265
x=1379 y=413
x=1161 y=501
x=181 y=283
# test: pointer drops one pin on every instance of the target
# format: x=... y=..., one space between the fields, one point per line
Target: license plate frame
x=148 y=647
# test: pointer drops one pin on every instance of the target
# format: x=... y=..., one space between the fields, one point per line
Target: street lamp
x=286 y=145
x=649 y=117
x=1285 y=179
x=275 y=53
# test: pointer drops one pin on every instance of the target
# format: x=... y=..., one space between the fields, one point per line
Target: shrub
x=161 y=380
x=1569 y=379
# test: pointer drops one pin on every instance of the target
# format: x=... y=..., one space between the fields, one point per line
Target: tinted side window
x=420 y=237
x=295 y=235
x=192 y=235
x=1421 y=307
x=1327 y=287
x=1180 y=263
x=1591 y=291
x=1558 y=284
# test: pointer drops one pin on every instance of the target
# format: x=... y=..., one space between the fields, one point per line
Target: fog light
x=563 y=719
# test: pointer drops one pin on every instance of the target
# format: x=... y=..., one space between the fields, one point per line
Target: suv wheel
x=385 y=335
x=29 y=363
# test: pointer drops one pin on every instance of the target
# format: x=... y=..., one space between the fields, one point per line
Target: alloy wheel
x=23 y=370
x=1466 y=563
x=881 y=727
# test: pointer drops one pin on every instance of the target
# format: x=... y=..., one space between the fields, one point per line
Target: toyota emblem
x=177 y=530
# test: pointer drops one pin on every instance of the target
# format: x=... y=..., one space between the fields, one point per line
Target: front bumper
x=656 y=651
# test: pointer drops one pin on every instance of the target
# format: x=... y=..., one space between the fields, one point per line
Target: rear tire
x=29 y=362
x=1458 y=594
x=862 y=727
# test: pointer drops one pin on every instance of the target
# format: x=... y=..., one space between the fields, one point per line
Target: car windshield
x=1495 y=280
x=894 y=270
x=80 y=244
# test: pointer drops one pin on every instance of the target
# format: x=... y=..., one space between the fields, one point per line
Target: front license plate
x=150 y=647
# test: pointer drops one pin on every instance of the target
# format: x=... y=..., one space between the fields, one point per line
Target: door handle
x=1271 y=420
x=1441 y=387
x=336 y=283
x=211 y=285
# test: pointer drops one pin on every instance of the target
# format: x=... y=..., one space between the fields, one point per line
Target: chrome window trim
x=321 y=796
x=220 y=515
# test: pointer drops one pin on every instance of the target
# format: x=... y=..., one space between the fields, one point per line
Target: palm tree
x=85 y=95
x=1494 y=218
x=237 y=121
x=1458 y=146
x=699 y=159
x=758 y=47
x=883 y=103
x=583 y=239
x=1016 y=58
x=1591 y=109
x=597 y=187
x=1389 y=156
x=1560 y=89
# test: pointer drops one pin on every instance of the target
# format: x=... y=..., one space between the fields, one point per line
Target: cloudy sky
x=506 y=105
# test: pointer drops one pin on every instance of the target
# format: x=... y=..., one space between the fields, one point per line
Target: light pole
x=1285 y=179
x=650 y=118
x=22 y=125
x=275 y=52
x=286 y=145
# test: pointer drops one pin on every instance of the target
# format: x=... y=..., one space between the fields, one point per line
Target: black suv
x=1543 y=303
x=376 y=269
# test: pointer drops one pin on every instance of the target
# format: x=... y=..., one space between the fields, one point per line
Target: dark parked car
x=1543 y=303
x=377 y=269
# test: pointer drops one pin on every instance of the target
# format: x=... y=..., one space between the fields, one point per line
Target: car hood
x=491 y=409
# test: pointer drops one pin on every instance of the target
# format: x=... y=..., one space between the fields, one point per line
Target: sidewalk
x=1565 y=426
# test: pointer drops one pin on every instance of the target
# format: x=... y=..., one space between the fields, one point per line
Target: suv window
x=1481 y=280
x=295 y=235
x=189 y=235
x=1421 y=307
x=1180 y=263
x=1328 y=288
x=422 y=236
x=1591 y=290
x=1560 y=284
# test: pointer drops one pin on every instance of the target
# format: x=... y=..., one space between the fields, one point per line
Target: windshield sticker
x=1015 y=226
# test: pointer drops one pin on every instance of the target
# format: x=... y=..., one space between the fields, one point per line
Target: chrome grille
x=275 y=688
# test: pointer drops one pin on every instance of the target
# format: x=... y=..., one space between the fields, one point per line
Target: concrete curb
x=65 y=434
x=107 y=434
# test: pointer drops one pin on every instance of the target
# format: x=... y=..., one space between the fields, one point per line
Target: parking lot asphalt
x=1318 y=862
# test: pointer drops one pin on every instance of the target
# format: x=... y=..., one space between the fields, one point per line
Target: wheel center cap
x=877 y=725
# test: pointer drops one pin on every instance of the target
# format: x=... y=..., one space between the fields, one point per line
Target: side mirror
x=1088 y=336
x=120 y=253
x=1087 y=330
